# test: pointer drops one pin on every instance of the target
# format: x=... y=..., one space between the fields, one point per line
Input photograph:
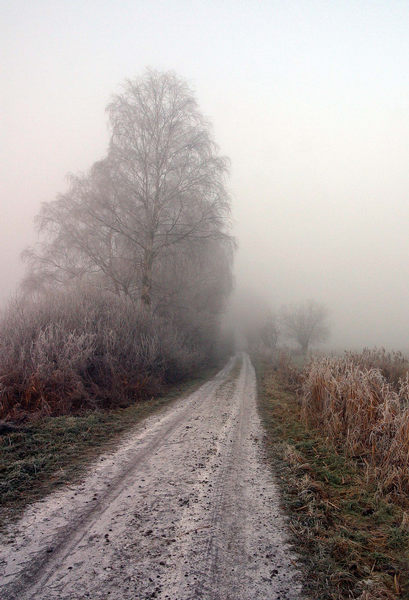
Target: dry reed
x=361 y=404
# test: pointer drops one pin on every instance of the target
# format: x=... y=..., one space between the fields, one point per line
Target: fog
x=309 y=100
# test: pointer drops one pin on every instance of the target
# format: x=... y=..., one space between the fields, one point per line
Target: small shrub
x=283 y=363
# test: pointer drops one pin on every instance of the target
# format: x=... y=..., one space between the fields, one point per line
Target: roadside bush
x=284 y=364
x=86 y=348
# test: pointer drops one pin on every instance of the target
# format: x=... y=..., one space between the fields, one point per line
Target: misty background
x=308 y=99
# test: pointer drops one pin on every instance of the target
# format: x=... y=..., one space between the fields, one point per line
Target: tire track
x=184 y=509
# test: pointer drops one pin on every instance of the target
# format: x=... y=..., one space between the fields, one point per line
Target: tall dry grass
x=361 y=402
x=394 y=366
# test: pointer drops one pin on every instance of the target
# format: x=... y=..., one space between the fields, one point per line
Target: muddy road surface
x=186 y=508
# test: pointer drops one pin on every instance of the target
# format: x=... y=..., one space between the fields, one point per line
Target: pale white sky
x=309 y=99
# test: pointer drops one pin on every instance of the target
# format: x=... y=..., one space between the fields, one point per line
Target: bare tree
x=83 y=236
x=157 y=202
x=168 y=166
x=305 y=324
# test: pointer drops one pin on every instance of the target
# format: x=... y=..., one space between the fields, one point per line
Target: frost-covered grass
x=352 y=539
x=51 y=451
x=361 y=402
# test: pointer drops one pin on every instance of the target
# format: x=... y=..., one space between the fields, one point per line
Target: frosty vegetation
x=126 y=286
x=360 y=401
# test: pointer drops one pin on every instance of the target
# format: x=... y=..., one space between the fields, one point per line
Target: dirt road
x=184 y=509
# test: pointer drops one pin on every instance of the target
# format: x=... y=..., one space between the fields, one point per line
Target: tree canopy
x=149 y=221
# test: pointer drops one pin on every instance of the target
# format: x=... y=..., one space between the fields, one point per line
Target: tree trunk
x=146 y=294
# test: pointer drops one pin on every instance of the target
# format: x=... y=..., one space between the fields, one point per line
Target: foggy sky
x=309 y=99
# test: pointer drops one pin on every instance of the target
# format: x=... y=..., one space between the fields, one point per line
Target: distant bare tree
x=157 y=203
x=305 y=324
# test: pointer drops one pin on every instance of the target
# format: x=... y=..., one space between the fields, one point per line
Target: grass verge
x=353 y=543
x=56 y=450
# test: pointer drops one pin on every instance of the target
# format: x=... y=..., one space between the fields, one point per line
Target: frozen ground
x=186 y=508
